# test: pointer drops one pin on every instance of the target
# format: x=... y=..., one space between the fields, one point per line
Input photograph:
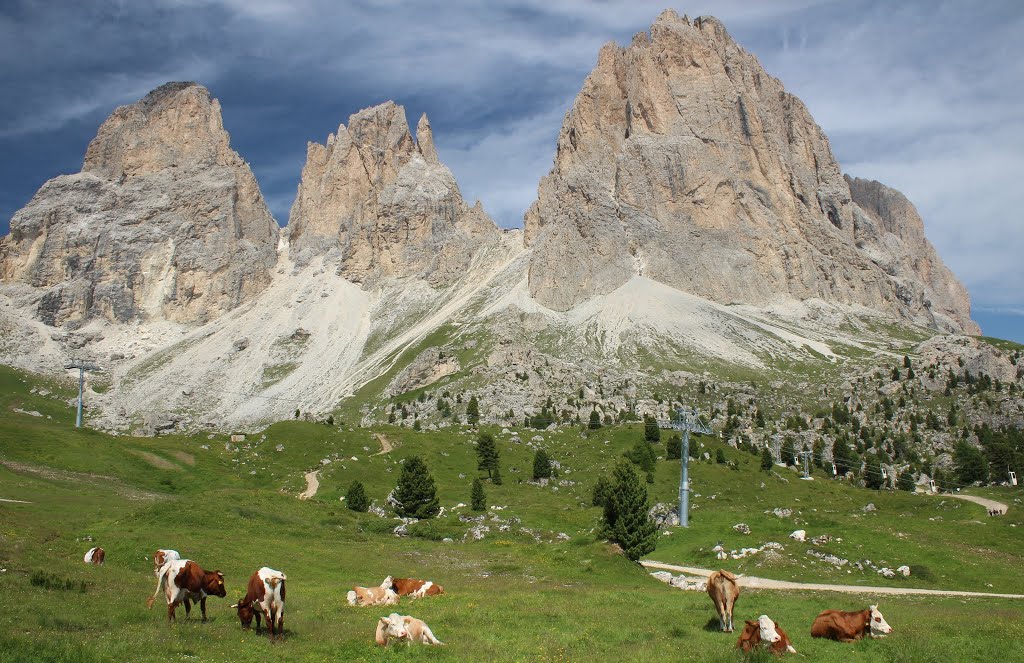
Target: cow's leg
x=280 y=624
x=202 y=606
x=259 y=620
x=171 y=617
x=188 y=608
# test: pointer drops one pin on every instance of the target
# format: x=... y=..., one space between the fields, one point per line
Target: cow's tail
x=353 y=598
x=161 y=580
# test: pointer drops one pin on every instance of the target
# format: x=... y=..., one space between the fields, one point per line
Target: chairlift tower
x=686 y=420
x=82 y=365
x=807 y=466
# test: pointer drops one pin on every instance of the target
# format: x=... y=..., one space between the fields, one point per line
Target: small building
x=238 y=437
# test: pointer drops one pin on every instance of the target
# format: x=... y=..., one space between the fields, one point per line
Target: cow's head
x=246 y=611
x=215 y=584
x=388 y=582
x=767 y=629
x=879 y=627
x=394 y=626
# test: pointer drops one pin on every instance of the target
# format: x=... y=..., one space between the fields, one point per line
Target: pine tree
x=541 y=465
x=415 y=493
x=496 y=477
x=643 y=456
x=873 y=475
x=477 y=496
x=674 y=447
x=651 y=431
x=789 y=451
x=626 y=518
x=602 y=491
x=968 y=464
x=766 y=459
x=356 y=499
x=595 y=420
x=906 y=481
x=473 y=411
x=720 y=457
x=487 y=456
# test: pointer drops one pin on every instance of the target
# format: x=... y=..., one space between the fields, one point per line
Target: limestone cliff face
x=384 y=205
x=164 y=220
x=683 y=161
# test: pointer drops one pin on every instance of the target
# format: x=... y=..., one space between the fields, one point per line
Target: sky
x=925 y=96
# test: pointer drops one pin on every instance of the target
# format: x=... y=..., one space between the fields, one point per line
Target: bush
x=356 y=498
x=720 y=457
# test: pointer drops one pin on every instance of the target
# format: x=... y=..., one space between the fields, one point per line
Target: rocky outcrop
x=681 y=160
x=384 y=205
x=888 y=228
x=165 y=220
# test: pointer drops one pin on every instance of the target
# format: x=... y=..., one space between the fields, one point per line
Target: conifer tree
x=602 y=491
x=477 y=497
x=415 y=493
x=766 y=459
x=643 y=456
x=356 y=499
x=651 y=431
x=626 y=517
x=473 y=411
x=595 y=419
x=674 y=447
x=487 y=456
x=906 y=481
x=541 y=465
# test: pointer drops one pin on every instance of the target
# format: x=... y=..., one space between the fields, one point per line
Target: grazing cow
x=416 y=588
x=183 y=581
x=161 y=557
x=850 y=626
x=366 y=596
x=724 y=591
x=95 y=556
x=765 y=632
x=265 y=595
x=404 y=627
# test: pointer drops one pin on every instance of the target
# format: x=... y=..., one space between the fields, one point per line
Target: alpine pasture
x=521 y=593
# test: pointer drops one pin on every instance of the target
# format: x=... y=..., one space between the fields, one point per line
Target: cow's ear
x=750 y=623
x=383 y=620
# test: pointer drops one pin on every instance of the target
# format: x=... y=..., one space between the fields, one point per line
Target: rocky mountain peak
x=383 y=205
x=165 y=220
x=683 y=161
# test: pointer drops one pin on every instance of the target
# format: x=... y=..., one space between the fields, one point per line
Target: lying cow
x=765 y=632
x=265 y=595
x=850 y=626
x=724 y=591
x=161 y=557
x=417 y=589
x=183 y=581
x=94 y=556
x=404 y=627
x=366 y=596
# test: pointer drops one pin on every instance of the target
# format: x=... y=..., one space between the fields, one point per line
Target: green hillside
x=522 y=594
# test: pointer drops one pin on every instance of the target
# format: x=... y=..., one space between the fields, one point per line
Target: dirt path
x=764 y=583
x=312 y=485
x=14 y=501
x=385 y=444
x=983 y=501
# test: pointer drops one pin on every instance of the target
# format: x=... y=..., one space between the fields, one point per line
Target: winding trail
x=983 y=501
x=764 y=583
x=312 y=485
x=385 y=444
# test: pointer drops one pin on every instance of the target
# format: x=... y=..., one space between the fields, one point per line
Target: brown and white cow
x=850 y=626
x=265 y=595
x=417 y=589
x=161 y=557
x=95 y=556
x=404 y=627
x=724 y=591
x=765 y=632
x=183 y=581
x=366 y=596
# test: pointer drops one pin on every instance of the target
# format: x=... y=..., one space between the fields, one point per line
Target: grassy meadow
x=525 y=594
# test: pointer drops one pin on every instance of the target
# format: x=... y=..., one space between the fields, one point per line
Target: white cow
x=382 y=595
x=161 y=557
x=404 y=627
